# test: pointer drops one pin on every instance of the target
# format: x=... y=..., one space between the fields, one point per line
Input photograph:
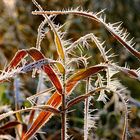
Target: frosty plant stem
x=63 y=129
x=86 y=111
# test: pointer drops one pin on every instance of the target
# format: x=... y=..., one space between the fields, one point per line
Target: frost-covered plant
x=65 y=75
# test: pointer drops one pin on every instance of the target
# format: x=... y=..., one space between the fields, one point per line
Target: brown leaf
x=82 y=74
x=9 y=125
x=37 y=55
x=17 y=59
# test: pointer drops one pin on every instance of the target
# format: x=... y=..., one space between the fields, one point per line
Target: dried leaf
x=17 y=59
x=123 y=42
x=82 y=74
x=9 y=125
x=59 y=47
x=36 y=55
x=130 y=72
x=83 y=97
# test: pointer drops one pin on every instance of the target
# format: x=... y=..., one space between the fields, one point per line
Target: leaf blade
x=9 y=125
x=82 y=74
x=60 y=49
x=36 y=55
x=16 y=59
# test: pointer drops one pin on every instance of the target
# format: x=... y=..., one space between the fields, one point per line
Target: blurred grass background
x=18 y=30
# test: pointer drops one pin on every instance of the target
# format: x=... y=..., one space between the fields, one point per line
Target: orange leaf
x=17 y=59
x=44 y=116
x=55 y=101
x=82 y=74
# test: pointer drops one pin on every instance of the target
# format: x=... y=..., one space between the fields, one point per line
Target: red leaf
x=82 y=74
x=37 y=55
x=17 y=59
x=9 y=125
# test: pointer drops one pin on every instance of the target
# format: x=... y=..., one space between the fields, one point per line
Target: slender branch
x=86 y=110
x=83 y=97
x=64 y=128
x=39 y=107
x=125 y=126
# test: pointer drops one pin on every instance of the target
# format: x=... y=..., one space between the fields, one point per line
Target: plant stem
x=86 y=112
x=63 y=129
x=18 y=115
